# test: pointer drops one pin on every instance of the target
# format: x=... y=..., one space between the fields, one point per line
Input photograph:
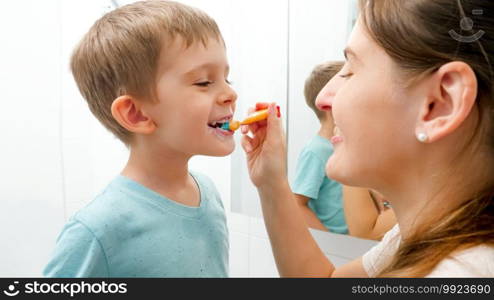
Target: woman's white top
x=473 y=262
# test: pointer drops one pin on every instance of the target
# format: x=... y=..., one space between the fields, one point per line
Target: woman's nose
x=324 y=100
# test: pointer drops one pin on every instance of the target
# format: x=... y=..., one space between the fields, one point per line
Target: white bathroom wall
x=91 y=155
x=31 y=181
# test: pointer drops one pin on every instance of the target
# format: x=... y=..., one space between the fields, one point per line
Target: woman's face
x=374 y=117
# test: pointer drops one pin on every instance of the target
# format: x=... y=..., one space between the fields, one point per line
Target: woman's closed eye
x=346 y=75
x=345 y=71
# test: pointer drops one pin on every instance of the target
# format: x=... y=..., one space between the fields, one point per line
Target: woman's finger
x=247 y=143
x=261 y=106
x=244 y=129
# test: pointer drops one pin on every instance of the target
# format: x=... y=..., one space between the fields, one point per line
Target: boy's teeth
x=220 y=122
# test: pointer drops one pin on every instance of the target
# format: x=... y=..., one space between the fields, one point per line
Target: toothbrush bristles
x=226 y=126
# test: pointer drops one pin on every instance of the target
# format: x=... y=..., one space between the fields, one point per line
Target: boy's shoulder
x=109 y=208
x=203 y=180
x=206 y=185
x=122 y=200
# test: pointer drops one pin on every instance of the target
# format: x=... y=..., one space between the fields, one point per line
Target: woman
x=414 y=109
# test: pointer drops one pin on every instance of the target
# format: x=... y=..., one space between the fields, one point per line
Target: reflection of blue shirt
x=131 y=231
x=311 y=181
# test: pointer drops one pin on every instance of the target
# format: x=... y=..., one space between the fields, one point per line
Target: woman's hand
x=266 y=149
x=266 y=159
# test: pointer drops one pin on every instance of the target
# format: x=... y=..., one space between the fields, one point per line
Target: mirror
x=312 y=32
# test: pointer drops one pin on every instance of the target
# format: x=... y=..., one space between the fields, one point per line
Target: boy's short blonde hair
x=319 y=77
x=120 y=53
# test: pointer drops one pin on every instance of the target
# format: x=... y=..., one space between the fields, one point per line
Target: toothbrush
x=255 y=117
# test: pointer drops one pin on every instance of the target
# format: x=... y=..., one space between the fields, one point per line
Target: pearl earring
x=422 y=137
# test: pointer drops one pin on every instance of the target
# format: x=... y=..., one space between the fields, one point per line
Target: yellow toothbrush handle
x=255 y=117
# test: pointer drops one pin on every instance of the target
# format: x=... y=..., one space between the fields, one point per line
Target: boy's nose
x=228 y=97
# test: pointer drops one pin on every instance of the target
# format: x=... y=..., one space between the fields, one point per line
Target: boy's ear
x=127 y=111
x=450 y=99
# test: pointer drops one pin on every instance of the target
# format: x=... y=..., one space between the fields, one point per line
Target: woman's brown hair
x=421 y=36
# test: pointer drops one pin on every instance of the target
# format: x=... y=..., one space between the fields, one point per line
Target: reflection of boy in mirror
x=319 y=197
x=143 y=69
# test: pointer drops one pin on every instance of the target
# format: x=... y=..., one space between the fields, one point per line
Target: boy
x=155 y=74
x=319 y=197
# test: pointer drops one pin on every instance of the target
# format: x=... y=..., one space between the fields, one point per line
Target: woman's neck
x=428 y=196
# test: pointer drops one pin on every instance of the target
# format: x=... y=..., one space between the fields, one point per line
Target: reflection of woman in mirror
x=415 y=121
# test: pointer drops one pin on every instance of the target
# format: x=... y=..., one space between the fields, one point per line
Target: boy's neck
x=157 y=170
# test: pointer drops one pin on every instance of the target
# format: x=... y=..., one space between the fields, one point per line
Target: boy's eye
x=347 y=75
x=204 y=83
x=228 y=81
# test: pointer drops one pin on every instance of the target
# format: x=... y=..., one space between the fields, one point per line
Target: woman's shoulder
x=476 y=261
x=382 y=254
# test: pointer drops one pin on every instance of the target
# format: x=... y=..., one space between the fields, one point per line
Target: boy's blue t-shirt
x=131 y=231
x=311 y=181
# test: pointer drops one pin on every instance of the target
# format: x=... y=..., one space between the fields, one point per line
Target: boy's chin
x=219 y=151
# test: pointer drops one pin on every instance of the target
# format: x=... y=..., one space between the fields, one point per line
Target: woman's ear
x=451 y=97
x=127 y=111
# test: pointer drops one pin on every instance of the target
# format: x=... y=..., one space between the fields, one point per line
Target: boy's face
x=194 y=94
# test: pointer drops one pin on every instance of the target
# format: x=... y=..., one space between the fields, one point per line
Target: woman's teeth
x=336 y=131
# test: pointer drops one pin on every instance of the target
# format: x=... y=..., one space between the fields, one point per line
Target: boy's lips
x=216 y=127
x=221 y=133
